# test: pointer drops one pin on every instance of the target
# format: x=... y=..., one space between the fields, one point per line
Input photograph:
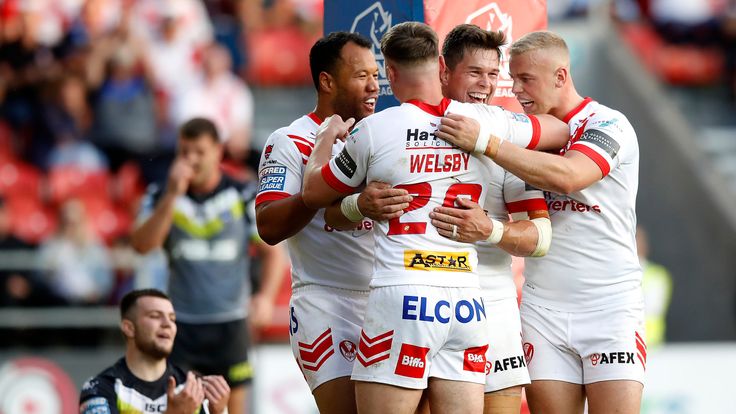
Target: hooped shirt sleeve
x=98 y=397
x=602 y=141
x=521 y=198
x=524 y=130
x=519 y=129
x=347 y=170
x=281 y=167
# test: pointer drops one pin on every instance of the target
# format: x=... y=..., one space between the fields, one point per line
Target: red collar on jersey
x=314 y=118
x=436 y=110
x=577 y=109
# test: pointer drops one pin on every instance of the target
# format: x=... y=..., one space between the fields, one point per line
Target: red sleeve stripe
x=305 y=150
x=297 y=138
x=593 y=155
x=526 y=205
x=334 y=182
x=271 y=196
x=536 y=132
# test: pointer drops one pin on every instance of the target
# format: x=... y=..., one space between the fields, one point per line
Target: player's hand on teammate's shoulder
x=180 y=175
x=379 y=201
x=471 y=220
x=188 y=399
x=334 y=128
x=459 y=130
x=217 y=393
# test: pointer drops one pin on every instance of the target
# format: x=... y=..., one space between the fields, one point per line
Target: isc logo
x=412 y=362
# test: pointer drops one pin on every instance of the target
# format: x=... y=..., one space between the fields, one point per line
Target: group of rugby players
x=397 y=224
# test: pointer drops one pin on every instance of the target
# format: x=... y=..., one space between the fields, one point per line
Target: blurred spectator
x=224 y=98
x=125 y=124
x=75 y=264
x=18 y=286
x=67 y=122
x=657 y=286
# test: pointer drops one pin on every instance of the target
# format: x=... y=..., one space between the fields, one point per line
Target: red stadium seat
x=127 y=186
x=674 y=64
x=30 y=219
x=107 y=220
x=7 y=149
x=70 y=182
x=279 y=57
x=19 y=179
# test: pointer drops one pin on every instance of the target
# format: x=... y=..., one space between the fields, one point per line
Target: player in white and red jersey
x=330 y=268
x=425 y=315
x=582 y=307
x=472 y=57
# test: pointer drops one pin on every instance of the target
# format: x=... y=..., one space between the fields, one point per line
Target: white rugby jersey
x=398 y=146
x=592 y=261
x=507 y=194
x=319 y=254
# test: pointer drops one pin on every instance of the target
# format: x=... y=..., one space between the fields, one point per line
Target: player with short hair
x=330 y=268
x=202 y=221
x=472 y=57
x=425 y=316
x=143 y=381
x=582 y=308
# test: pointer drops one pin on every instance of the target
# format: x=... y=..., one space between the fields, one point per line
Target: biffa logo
x=412 y=361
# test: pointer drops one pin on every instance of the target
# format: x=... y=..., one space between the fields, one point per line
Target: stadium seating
x=19 y=179
x=68 y=182
x=31 y=220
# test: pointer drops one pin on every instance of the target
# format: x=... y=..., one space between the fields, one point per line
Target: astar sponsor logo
x=412 y=361
x=505 y=364
x=420 y=308
x=612 y=358
x=433 y=261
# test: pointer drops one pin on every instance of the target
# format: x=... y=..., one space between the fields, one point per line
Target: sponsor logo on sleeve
x=602 y=140
x=96 y=405
x=345 y=163
x=437 y=261
x=272 y=178
x=518 y=117
x=267 y=151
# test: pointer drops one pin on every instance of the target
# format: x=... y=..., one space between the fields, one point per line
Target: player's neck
x=209 y=185
x=143 y=366
x=429 y=93
x=568 y=102
x=323 y=110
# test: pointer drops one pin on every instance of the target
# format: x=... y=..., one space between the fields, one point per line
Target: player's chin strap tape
x=349 y=208
x=544 y=231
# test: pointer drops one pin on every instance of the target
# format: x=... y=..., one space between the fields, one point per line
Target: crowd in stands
x=91 y=94
x=683 y=42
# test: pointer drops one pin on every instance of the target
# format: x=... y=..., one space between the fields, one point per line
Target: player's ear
x=561 y=76
x=390 y=73
x=444 y=71
x=128 y=328
x=326 y=82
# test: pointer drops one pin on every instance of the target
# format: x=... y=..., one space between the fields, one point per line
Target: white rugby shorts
x=506 y=364
x=324 y=328
x=585 y=347
x=412 y=332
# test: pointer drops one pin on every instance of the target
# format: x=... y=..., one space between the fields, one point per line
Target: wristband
x=349 y=208
x=482 y=142
x=496 y=232
x=493 y=146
